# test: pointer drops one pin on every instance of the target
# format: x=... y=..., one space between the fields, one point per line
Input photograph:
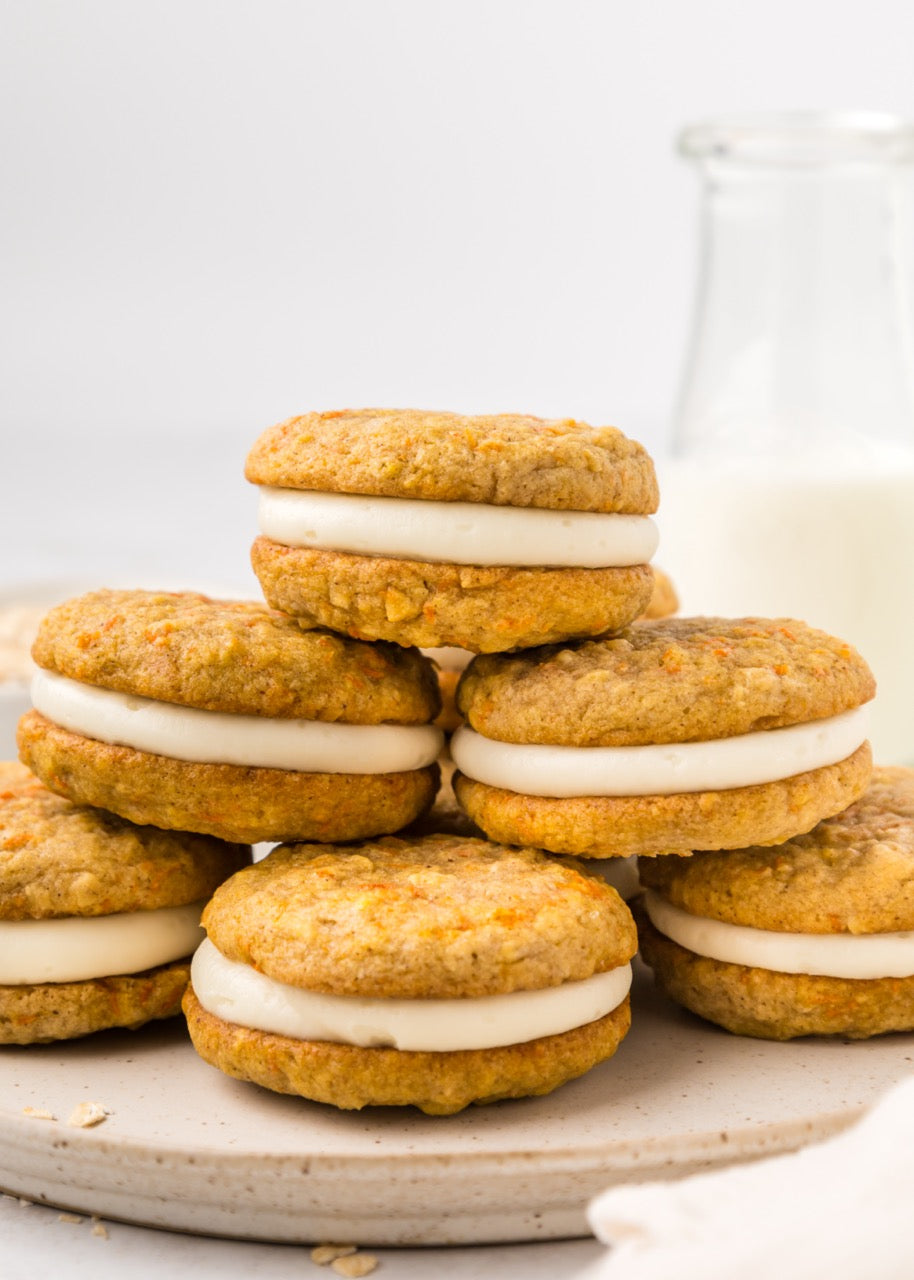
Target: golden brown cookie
x=63 y=859
x=489 y=595
x=41 y=1012
x=487 y=610
x=232 y=656
x=440 y=1084
x=782 y=939
x=98 y=917
x=674 y=735
x=227 y=719
x=503 y=459
x=392 y=922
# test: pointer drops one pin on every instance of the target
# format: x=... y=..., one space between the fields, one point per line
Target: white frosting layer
x=75 y=948
x=661 y=769
x=237 y=993
x=828 y=955
x=455 y=532
x=215 y=737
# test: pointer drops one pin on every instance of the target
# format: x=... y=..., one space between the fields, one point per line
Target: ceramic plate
x=189 y=1149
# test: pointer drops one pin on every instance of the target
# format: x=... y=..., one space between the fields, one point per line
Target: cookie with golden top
x=432 y=972
x=224 y=717
x=98 y=917
x=815 y=937
x=688 y=733
x=488 y=533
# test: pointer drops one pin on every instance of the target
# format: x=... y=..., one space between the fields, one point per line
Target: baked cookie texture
x=236 y=658
x=851 y=875
x=502 y=460
x=675 y=680
x=49 y=1011
x=483 y=608
x=439 y=917
x=679 y=680
x=232 y=656
x=620 y=826
x=440 y=1084
x=61 y=860
x=231 y=802
x=450 y=666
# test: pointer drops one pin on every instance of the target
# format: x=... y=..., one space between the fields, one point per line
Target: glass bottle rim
x=800 y=139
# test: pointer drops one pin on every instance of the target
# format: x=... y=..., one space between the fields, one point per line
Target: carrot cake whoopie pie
x=815 y=937
x=487 y=533
x=227 y=718
x=434 y=972
x=98 y=918
x=688 y=733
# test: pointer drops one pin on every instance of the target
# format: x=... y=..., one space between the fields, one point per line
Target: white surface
x=473 y=533
x=187 y=733
x=239 y=994
x=831 y=955
x=36 y=1243
x=839 y=1210
x=659 y=769
x=185 y=1146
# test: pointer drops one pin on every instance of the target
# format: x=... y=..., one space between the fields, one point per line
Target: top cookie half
x=503 y=459
x=491 y=533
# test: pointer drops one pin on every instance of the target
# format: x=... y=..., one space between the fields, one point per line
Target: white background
x=217 y=214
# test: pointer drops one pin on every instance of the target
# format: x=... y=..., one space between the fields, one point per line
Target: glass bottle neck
x=802 y=337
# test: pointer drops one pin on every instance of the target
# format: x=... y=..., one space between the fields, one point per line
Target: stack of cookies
x=453 y=963
x=452 y=969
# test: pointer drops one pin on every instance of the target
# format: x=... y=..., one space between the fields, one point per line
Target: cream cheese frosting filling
x=215 y=737
x=662 y=769
x=472 y=533
x=826 y=955
x=76 y=948
x=237 y=993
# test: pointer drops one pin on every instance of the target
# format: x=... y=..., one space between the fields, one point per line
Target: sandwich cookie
x=689 y=733
x=488 y=533
x=432 y=972
x=98 y=918
x=226 y=718
x=815 y=937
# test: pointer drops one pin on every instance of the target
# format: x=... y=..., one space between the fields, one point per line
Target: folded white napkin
x=840 y=1210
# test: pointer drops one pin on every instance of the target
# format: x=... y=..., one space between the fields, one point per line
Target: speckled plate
x=189 y=1149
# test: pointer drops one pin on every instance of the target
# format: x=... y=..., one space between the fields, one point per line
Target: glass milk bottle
x=790 y=490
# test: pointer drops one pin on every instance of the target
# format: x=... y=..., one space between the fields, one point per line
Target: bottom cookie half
x=619 y=826
x=771 y=1005
x=47 y=1011
x=351 y=1077
x=232 y=802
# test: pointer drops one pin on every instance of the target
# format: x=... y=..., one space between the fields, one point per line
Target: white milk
x=831 y=543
